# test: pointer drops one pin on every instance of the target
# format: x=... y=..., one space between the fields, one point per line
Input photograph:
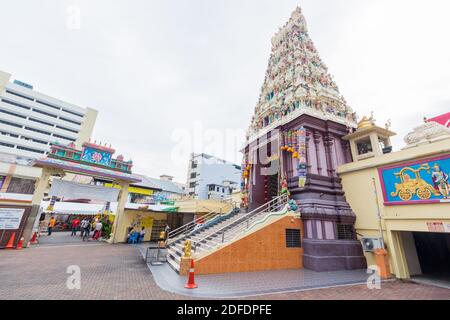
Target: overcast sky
x=153 y=68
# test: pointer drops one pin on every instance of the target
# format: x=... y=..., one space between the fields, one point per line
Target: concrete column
x=375 y=144
x=42 y=184
x=397 y=255
x=123 y=196
x=354 y=150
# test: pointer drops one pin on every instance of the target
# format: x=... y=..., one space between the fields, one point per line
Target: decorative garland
x=294 y=141
x=302 y=167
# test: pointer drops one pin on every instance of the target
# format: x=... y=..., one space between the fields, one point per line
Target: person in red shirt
x=75 y=224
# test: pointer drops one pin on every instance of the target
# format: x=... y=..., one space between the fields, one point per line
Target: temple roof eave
x=84 y=169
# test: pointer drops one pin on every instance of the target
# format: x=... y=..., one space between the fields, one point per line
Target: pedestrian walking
x=75 y=225
x=81 y=227
x=98 y=230
x=51 y=225
x=86 y=226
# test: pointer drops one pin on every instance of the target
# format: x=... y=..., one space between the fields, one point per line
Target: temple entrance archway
x=93 y=161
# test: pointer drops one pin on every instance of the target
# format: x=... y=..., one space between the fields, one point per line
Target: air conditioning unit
x=371 y=244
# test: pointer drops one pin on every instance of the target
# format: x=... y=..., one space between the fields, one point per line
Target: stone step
x=173 y=264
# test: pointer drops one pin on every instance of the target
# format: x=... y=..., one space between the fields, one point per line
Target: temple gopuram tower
x=295 y=139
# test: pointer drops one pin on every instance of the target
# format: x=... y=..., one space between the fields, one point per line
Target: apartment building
x=31 y=121
x=211 y=178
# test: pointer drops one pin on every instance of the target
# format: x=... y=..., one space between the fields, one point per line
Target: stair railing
x=274 y=205
x=189 y=227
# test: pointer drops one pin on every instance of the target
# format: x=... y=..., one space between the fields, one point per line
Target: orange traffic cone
x=10 y=244
x=191 y=282
x=20 y=244
x=34 y=239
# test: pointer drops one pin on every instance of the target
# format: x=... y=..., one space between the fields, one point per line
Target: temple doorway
x=433 y=251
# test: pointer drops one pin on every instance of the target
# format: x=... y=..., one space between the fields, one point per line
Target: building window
x=41 y=122
x=62 y=137
x=10 y=124
x=34 y=140
x=346 y=232
x=67 y=129
x=6 y=145
x=194 y=165
x=364 y=146
x=19 y=95
x=16 y=104
x=9 y=134
x=74 y=113
x=30 y=149
x=293 y=239
x=192 y=185
x=22 y=186
x=39 y=131
x=71 y=121
x=13 y=114
x=48 y=104
x=193 y=175
x=45 y=113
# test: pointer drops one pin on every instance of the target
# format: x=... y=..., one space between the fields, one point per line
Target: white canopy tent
x=73 y=208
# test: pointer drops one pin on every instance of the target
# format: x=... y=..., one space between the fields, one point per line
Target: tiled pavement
x=238 y=285
x=118 y=272
x=64 y=238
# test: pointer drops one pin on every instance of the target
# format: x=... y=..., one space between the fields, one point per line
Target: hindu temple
x=295 y=144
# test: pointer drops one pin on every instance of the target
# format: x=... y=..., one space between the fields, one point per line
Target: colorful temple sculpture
x=295 y=144
x=92 y=155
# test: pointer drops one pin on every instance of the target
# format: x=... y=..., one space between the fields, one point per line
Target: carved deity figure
x=284 y=187
x=187 y=249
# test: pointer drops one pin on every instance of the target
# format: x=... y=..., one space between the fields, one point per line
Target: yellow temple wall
x=357 y=179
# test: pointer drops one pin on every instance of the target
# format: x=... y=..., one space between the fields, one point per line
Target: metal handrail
x=188 y=227
x=238 y=230
x=247 y=218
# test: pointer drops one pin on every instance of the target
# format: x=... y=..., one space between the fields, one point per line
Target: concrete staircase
x=216 y=231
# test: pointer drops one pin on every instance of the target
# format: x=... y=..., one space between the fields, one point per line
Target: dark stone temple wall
x=322 y=202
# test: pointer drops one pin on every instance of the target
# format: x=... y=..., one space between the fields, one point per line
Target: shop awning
x=74 y=208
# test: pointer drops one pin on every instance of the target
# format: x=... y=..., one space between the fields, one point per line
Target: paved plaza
x=119 y=272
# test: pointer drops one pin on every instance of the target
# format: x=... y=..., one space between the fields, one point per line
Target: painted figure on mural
x=440 y=180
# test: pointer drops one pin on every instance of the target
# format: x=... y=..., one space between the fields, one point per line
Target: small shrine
x=370 y=140
x=91 y=154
